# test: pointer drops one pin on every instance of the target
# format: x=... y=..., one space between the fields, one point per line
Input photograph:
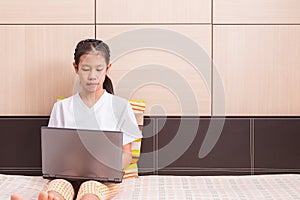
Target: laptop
x=76 y=154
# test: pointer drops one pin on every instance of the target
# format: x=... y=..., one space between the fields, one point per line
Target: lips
x=92 y=83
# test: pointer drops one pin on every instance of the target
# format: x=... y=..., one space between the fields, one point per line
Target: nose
x=92 y=75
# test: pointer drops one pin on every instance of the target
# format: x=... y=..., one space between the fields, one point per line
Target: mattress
x=283 y=186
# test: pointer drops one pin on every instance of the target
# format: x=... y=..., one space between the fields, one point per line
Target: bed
x=279 y=186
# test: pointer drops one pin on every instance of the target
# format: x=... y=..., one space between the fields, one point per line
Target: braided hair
x=90 y=45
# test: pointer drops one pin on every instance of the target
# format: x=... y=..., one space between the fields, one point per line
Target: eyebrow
x=86 y=65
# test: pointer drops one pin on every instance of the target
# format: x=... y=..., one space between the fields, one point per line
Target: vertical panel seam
x=95 y=18
x=156 y=147
x=212 y=60
x=252 y=122
x=212 y=11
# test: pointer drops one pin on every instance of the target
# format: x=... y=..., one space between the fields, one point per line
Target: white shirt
x=110 y=113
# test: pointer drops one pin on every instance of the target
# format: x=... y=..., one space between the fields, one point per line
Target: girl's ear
x=108 y=68
x=75 y=67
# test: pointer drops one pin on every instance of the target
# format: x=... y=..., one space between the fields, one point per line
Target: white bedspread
x=285 y=186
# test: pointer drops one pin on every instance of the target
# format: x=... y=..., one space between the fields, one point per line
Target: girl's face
x=92 y=69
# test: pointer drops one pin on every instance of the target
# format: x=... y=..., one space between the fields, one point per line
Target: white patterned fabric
x=27 y=186
x=284 y=186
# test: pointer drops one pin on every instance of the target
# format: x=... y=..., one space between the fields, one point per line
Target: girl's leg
x=60 y=188
x=42 y=196
x=16 y=197
x=92 y=190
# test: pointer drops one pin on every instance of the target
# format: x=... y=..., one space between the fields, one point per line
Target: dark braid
x=90 y=45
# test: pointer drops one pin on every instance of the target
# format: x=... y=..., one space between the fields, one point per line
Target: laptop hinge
x=48 y=176
x=117 y=180
x=103 y=179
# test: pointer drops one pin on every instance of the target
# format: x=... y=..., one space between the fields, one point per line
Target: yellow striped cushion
x=138 y=107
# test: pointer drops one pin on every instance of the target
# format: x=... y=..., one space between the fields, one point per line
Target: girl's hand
x=127 y=156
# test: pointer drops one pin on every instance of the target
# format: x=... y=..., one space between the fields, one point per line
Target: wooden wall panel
x=258 y=63
x=37 y=66
x=162 y=99
x=55 y=11
x=259 y=66
x=256 y=11
x=155 y=11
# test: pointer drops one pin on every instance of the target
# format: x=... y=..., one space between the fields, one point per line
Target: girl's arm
x=127 y=156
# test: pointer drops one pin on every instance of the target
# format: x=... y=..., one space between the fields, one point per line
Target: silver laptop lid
x=82 y=154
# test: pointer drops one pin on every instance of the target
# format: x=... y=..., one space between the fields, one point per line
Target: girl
x=93 y=107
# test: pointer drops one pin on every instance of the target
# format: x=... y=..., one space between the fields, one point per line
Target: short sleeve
x=56 y=117
x=129 y=125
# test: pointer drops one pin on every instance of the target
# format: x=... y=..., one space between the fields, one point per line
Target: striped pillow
x=138 y=107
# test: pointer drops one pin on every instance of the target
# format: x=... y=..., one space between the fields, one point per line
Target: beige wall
x=254 y=46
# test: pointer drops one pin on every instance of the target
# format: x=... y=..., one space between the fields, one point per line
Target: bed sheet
x=283 y=186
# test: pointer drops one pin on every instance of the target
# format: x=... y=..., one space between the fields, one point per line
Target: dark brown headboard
x=247 y=145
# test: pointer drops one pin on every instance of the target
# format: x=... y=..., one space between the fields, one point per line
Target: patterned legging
x=101 y=190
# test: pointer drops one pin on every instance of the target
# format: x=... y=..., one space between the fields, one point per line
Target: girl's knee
x=62 y=187
x=90 y=197
x=88 y=185
x=92 y=188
